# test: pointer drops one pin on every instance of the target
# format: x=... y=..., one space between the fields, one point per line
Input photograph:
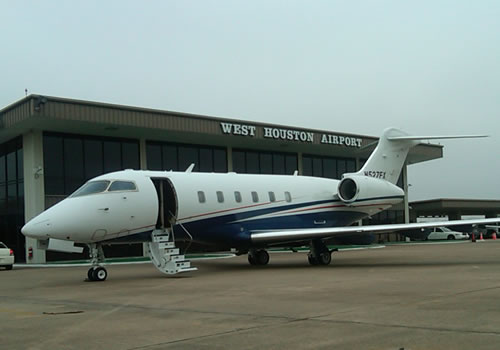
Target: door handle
x=104 y=209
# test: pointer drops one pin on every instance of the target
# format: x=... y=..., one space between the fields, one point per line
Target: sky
x=427 y=67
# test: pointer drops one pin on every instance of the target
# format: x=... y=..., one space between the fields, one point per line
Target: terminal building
x=50 y=146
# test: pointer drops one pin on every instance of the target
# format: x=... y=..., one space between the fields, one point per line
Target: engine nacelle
x=358 y=187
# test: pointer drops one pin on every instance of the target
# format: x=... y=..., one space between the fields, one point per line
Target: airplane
x=242 y=213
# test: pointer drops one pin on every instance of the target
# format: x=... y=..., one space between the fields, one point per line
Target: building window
x=254 y=162
x=178 y=157
x=201 y=197
x=237 y=196
x=255 y=197
x=329 y=167
x=12 y=196
x=220 y=197
x=71 y=160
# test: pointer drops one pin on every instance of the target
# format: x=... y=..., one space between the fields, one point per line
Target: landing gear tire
x=319 y=253
x=97 y=274
x=258 y=257
x=325 y=258
x=252 y=260
x=312 y=260
x=263 y=257
x=90 y=274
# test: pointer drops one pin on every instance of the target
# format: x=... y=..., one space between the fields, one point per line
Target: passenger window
x=220 y=197
x=201 y=197
x=255 y=197
x=237 y=196
x=122 y=186
x=288 y=196
x=272 y=197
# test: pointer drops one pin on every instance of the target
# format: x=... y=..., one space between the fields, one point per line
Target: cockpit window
x=91 y=188
x=122 y=186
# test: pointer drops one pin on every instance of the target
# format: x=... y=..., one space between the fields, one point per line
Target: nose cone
x=37 y=228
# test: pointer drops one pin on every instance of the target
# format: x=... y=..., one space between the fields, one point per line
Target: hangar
x=454 y=208
x=49 y=146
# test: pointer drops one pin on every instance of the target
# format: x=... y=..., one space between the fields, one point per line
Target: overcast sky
x=428 y=67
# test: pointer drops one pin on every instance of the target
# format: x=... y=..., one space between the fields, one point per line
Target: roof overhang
x=448 y=206
x=56 y=114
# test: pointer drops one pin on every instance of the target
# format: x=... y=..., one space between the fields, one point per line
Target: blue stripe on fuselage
x=234 y=230
x=230 y=229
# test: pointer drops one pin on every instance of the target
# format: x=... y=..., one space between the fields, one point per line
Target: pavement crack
x=434 y=329
x=232 y=331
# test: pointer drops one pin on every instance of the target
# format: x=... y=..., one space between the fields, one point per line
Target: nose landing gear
x=96 y=273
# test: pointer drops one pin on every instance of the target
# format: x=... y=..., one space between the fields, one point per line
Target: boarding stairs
x=164 y=254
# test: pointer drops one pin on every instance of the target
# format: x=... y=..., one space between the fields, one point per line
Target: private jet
x=242 y=213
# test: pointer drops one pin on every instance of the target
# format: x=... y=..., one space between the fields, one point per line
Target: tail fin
x=386 y=161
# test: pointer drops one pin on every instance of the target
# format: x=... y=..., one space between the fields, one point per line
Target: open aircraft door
x=162 y=250
x=167 y=202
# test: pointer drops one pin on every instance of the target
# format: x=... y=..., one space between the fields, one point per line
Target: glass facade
x=178 y=157
x=12 y=197
x=71 y=160
x=255 y=162
x=329 y=167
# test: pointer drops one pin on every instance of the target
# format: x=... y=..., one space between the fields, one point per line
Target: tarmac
x=410 y=296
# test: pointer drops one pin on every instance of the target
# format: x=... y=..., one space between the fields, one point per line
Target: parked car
x=446 y=233
x=6 y=256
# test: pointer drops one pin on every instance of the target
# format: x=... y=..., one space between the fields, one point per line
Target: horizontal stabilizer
x=442 y=137
x=388 y=158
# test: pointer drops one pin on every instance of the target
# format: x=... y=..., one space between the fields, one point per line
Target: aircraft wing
x=329 y=232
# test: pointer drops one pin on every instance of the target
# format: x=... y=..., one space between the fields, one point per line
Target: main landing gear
x=258 y=257
x=319 y=253
x=96 y=273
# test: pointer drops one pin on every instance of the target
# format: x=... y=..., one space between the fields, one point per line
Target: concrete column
x=143 y=160
x=405 y=188
x=34 y=190
x=229 y=158
x=299 y=163
x=143 y=163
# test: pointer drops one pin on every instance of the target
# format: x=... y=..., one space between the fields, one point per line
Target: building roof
x=456 y=207
x=94 y=118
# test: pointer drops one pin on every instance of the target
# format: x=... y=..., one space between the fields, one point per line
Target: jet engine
x=358 y=187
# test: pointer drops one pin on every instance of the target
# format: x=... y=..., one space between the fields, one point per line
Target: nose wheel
x=96 y=273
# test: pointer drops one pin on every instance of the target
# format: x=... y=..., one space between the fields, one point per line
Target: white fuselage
x=209 y=208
